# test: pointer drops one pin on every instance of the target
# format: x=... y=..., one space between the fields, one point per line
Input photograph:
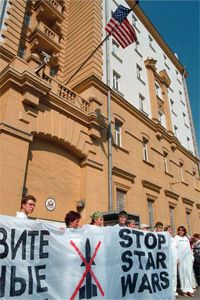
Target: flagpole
x=92 y=53
x=110 y=198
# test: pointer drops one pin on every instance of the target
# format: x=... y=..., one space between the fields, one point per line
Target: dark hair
x=167 y=227
x=26 y=198
x=196 y=235
x=71 y=216
x=158 y=224
x=122 y=213
x=182 y=228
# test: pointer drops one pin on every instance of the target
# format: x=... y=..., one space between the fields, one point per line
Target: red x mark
x=87 y=269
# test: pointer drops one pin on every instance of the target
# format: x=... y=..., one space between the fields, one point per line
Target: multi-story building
x=55 y=121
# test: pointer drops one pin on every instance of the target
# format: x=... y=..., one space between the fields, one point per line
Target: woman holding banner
x=185 y=262
x=174 y=248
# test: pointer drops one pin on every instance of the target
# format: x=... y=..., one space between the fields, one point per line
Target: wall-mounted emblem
x=50 y=204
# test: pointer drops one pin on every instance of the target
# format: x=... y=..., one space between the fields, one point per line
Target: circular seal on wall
x=50 y=204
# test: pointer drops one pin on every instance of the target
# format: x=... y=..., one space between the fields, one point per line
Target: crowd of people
x=185 y=249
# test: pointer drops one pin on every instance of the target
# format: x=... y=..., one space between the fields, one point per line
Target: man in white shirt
x=27 y=207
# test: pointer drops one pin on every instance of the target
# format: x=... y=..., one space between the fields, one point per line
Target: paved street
x=196 y=295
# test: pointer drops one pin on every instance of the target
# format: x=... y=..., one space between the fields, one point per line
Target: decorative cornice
x=151 y=186
x=171 y=194
x=15 y=131
x=187 y=201
x=124 y=174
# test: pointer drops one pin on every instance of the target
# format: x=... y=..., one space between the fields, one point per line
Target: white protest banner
x=39 y=261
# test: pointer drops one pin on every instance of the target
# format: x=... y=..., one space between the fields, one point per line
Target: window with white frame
x=135 y=23
x=185 y=120
x=151 y=43
x=137 y=48
x=178 y=77
x=176 y=131
x=116 y=81
x=188 y=143
x=165 y=157
x=150 y=205
x=172 y=219
x=115 y=47
x=139 y=73
x=120 y=199
x=188 y=221
x=141 y=102
x=172 y=106
x=166 y=61
x=145 y=150
x=118 y=130
x=158 y=90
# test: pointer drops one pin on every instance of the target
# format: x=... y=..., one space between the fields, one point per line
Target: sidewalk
x=196 y=295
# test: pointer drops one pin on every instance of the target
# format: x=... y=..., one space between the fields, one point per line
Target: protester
x=131 y=223
x=185 y=262
x=122 y=218
x=27 y=207
x=196 y=252
x=144 y=227
x=158 y=227
x=174 y=249
x=72 y=219
x=97 y=219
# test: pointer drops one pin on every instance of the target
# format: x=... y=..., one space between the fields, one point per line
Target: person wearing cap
x=158 y=227
x=144 y=227
x=97 y=219
x=122 y=218
x=131 y=223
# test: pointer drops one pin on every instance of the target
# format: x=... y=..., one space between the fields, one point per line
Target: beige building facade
x=54 y=134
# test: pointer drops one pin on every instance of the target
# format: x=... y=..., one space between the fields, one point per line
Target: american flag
x=120 y=28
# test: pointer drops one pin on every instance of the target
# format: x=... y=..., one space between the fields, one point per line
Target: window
x=3 y=12
x=135 y=23
x=145 y=150
x=137 y=48
x=115 y=47
x=27 y=19
x=139 y=73
x=185 y=120
x=158 y=90
x=22 y=51
x=116 y=81
x=151 y=43
x=141 y=102
x=172 y=107
x=118 y=128
x=150 y=212
x=120 y=201
x=188 y=143
x=165 y=156
x=188 y=221
x=176 y=131
x=181 y=171
x=161 y=118
x=53 y=71
x=181 y=97
x=166 y=61
x=178 y=76
x=172 y=219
